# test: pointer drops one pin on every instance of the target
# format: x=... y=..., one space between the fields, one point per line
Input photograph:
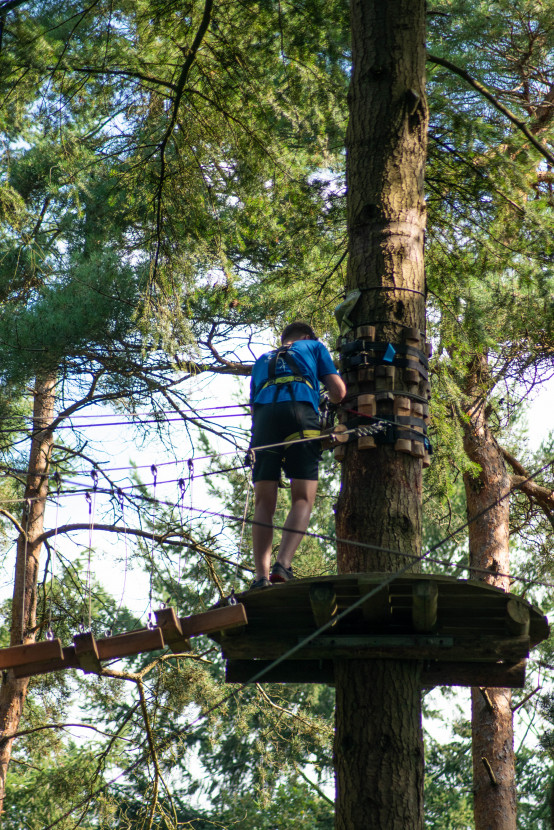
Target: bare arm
x=335 y=386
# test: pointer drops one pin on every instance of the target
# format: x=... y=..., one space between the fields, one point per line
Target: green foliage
x=162 y=202
x=448 y=797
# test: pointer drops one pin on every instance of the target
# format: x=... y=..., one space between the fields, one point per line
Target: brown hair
x=296 y=330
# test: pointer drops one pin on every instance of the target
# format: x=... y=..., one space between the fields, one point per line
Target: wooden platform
x=463 y=632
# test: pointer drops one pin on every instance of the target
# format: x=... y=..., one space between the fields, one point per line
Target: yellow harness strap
x=286 y=379
x=306 y=433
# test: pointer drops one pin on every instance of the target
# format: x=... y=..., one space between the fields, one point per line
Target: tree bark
x=494 y=786
x=378 y=745
x=24 y=606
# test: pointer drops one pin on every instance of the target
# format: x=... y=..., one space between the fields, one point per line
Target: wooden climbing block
x=426 y=460
x=366 y=374
x=339 y=452
x=384 y=378
x=418 y=450
x=403 y=445
x=412 y=337
x=365 y=333
x=172 y=632
x=402 y=406
x=86 y=653
x=129 y=643
x=366 y=442
x=428 y=350
x=340 y=433
x=411 y=376
x=365 y=404
x=217 y=619
x=30 y=653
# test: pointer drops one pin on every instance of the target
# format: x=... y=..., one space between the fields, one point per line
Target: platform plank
x=30 y=653
x=68 y=660
x=217 y=619
x=129 y=643
x=505 y=675
x=387 y=647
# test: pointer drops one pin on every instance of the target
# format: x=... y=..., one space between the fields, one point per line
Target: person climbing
x=284 y=397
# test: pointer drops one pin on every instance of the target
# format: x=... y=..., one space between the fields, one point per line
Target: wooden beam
x=68 y=660
x=498 y=675
x=171 y=629
x=403 y=647
x=323 y=600
x=86 y=653
x=424 y=605
x=217 y=619
x=129 y=643
x=30 y=653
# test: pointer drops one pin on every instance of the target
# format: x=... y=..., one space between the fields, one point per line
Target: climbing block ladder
x=463 y=632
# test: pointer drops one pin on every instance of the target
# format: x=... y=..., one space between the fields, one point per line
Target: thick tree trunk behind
x=378 y=745
x=23 y=627
x=494 y=785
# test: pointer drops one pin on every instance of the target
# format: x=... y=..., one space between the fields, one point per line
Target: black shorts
x=275 y=423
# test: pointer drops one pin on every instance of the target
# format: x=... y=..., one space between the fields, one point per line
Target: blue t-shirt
x=314 y=362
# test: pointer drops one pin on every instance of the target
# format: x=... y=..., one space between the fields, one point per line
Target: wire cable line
x=186 y=729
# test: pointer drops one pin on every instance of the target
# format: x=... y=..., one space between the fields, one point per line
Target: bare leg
x=265 y=502
x=303 y=492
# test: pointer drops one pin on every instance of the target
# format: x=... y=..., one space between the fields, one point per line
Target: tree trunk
x=494 y=785
x=23 y=627
x=378 y=745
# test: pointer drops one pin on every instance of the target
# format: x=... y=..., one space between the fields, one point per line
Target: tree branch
x=232 y=366
x=13 y=520
x=202 y=29
x=536 y=492
x=144 y=534
x=23 y=732
x=486 y=93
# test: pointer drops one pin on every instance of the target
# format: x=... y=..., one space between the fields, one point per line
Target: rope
x=27 y=511
x=182 y=487
x=91 y=512
x=243 y=525
x=380 y=422
x=125 y=546
x=49 y=632
x=154 y=471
